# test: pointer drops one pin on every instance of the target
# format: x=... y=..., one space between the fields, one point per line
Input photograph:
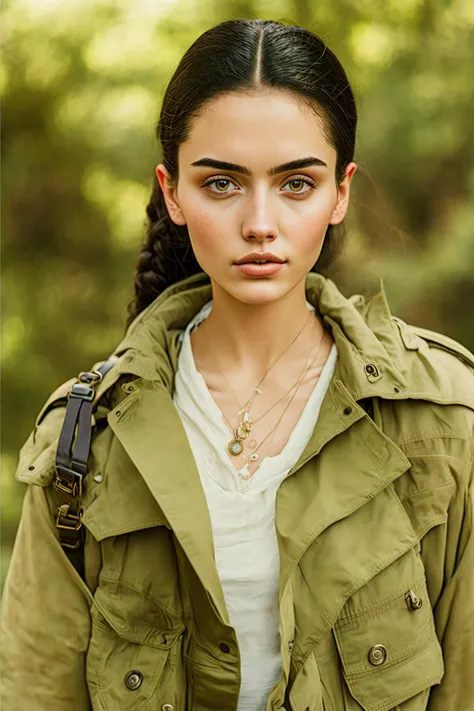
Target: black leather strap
x=72 y=457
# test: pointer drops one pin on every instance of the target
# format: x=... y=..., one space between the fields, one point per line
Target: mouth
x=259 y=269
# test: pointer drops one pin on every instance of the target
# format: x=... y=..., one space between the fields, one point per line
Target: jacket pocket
x=390 y=653
x=136 y=666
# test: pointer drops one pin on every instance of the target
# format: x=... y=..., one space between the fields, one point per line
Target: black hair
x=239 y=55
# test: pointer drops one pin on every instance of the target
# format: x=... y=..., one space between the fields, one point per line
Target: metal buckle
x=63 y=511
x=92 y=376
x=84 y=392
x=68 y=481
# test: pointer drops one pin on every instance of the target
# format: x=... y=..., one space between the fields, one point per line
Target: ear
x=169 y=189
x=343 y=193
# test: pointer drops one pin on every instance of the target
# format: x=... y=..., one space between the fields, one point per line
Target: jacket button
x=347 y=410
x=413 y=601
x=377 y=655
x=290 y=645
x=167 y=707
x=133 y=680
x=224 y=647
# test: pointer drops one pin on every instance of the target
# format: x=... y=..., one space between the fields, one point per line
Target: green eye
x=217 y=181
x=297 y=180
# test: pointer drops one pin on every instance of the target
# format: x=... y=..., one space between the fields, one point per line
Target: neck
x=249 y=338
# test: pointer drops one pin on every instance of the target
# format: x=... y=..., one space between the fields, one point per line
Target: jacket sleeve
x=454 y=618
x=45 y=618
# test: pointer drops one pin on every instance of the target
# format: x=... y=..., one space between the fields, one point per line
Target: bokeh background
x=81 y=84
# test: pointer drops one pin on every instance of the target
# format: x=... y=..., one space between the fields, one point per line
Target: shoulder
x=37 y=456
x=436 y=366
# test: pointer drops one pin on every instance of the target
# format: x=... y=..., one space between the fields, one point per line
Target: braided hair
x=240 y=55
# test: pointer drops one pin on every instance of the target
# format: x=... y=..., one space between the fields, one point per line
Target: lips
x=253 y=257
x=259 y=270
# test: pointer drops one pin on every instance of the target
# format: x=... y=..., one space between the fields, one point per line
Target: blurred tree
x=81 y=86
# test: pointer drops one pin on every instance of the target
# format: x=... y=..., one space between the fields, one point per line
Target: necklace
x=254 y=456
x=235 y=446
x=257 y=390
x=252 y=442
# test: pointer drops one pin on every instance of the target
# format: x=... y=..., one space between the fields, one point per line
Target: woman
x=277 y=511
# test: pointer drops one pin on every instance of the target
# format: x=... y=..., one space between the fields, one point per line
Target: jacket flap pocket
x=131 y=643
x=130 y=614
x=390 y=653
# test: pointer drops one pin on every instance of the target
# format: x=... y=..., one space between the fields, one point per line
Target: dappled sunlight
x=82 y=83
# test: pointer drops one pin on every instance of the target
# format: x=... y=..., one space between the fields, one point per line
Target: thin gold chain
x=289 y=403
x=251 y=399
x=274 y=404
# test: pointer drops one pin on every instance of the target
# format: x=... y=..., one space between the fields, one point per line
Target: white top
x=243 y=517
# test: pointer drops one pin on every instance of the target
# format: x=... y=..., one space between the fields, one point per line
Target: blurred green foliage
x=81 y=84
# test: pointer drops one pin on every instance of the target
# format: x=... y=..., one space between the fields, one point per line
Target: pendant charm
x=235 y=447
x=247 y=421
x=252 y=443
x=253 y=457
x=258 y=391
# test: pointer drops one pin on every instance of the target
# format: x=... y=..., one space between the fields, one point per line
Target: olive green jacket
x=374 y=527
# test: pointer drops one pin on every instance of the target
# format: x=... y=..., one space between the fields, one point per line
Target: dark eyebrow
x=283 y=168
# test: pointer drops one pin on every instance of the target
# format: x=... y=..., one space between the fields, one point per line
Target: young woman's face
x=231 y=210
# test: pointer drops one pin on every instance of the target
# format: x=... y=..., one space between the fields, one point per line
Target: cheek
x=205 y=234
x=309 y=237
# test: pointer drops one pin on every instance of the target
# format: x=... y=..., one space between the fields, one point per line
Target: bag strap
x=72 y=463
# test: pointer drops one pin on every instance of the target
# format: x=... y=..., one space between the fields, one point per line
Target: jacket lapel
x=151 y=433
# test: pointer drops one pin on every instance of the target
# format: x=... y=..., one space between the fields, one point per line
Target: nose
x=259 y=223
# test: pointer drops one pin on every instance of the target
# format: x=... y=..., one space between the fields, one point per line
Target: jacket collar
x=368 y=341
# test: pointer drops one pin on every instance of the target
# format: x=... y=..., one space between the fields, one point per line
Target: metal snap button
x=290 y=645
x=224 y=647
x=133 y=680
x=377 y=655
x=167 y=707
x=99 y=478
x=371 y=369
x=413 y=601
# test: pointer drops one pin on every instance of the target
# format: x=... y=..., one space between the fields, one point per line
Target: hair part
x=240 y=56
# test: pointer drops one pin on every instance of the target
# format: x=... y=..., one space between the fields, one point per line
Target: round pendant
x=252 y=443
x=235 y=447
x=253 y=457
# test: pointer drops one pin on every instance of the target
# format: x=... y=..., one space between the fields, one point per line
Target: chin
x=258 y=292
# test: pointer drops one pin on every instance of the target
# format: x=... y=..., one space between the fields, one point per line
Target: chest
x=275 y=411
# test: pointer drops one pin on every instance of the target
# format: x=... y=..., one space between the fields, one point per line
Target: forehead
x=256 y=129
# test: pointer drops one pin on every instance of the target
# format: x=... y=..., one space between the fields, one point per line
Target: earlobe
x=340 y=209
x=169 y=195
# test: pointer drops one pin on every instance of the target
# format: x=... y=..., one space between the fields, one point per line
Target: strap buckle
x=68 y=481
x=84 y=392
x=76 y=524
x=90 y=377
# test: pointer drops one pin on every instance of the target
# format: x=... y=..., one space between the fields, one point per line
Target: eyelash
x=304 y=178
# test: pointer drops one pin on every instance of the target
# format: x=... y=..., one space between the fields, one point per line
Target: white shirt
x=243 y=517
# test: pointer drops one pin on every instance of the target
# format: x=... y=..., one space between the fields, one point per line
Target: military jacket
x=374 y=529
